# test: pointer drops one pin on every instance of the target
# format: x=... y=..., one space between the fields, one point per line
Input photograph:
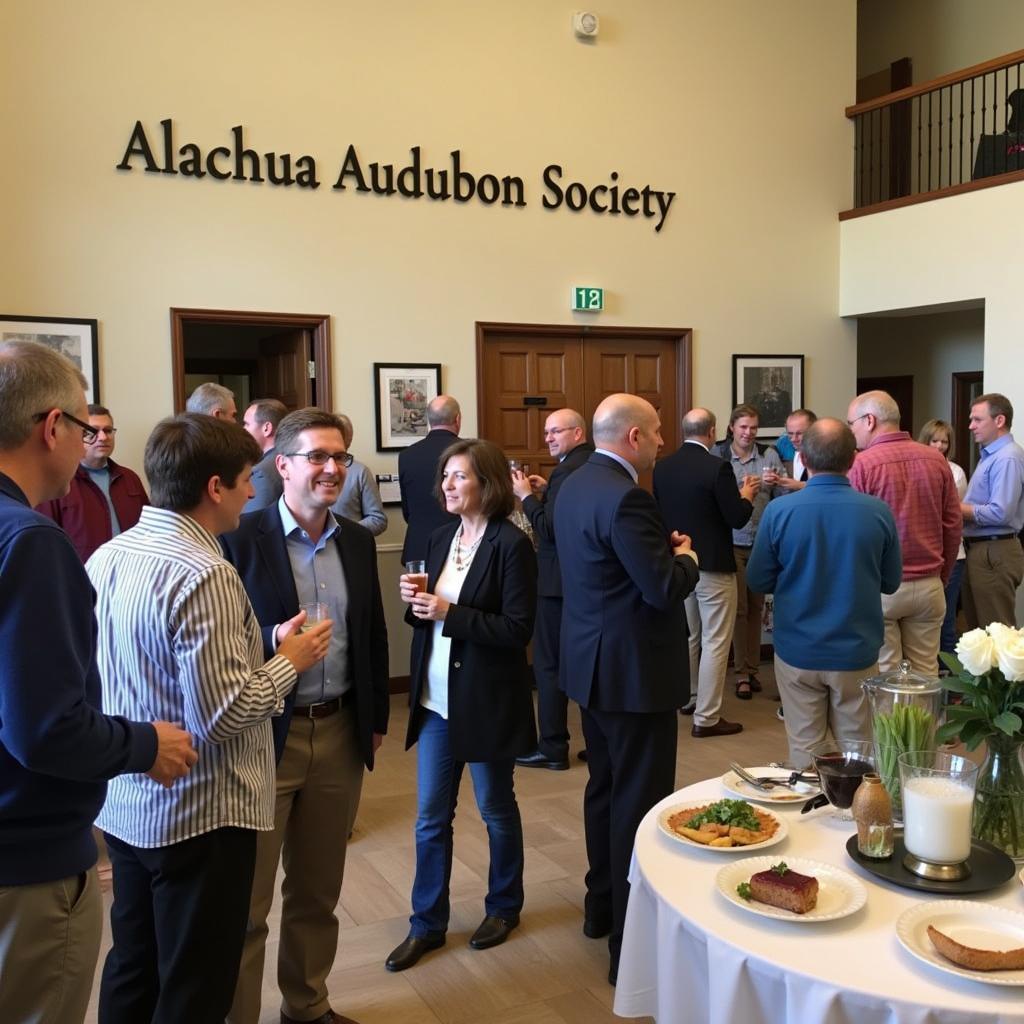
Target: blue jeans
x=437 y=796
x=947 y=640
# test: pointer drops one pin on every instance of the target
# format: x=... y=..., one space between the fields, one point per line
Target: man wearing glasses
x=296 y=553
x=105 y=498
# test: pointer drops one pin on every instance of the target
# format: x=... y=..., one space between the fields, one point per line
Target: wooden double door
x=527 y=371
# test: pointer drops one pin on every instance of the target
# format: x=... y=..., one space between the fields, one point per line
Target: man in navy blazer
x=417 y=468
x=296 y=553
x=624 y=577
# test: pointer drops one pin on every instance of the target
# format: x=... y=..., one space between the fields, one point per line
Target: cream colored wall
x=939 y=36
x=704 y=100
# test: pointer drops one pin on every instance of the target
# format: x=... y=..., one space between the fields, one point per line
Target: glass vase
x=999 y=800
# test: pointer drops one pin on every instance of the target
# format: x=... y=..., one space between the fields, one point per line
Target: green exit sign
x=588 y=299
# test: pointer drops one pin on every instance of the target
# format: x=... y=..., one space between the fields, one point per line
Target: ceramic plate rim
x=857 y=892
x=913 y=917
x=780 y=833
x=765 y=798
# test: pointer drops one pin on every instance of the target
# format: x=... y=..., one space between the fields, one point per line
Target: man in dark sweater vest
x=56 y=748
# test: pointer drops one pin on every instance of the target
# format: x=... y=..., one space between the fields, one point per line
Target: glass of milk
x=938 y=796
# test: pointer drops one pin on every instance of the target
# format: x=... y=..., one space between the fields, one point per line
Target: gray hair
x=209 y=397
x=879 y=404
x=443 y=411
x=34 y=379
x=828 y=446
x=698 y=423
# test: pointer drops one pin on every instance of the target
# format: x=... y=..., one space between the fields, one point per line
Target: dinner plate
x=839 y=893
x=800 y=792
x=780 y=833
x=981 y=925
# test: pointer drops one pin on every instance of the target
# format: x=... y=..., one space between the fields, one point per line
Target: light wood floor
x=547 y=972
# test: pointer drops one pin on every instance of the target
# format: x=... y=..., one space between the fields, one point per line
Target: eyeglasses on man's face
x=850 y=423
x=318 y=457
x=88 y=430
x=555 y=431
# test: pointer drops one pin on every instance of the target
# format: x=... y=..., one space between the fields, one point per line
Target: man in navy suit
x=295 y=552
x=565 y=433
x=417 y=468
x=623 y=647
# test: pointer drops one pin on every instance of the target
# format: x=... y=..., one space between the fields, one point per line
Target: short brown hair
x=295 y=423
x=829 y=447
x=268 y=410
x=95 y=409
x=491 y=467
x=998 y=405
x=184 y=452
x=933 y=427
x=741 y=411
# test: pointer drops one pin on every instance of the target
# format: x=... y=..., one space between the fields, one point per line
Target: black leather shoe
x=613 y=974
x=330 y=1017
x=493 y=931
x=582 y=756
x=409 y=952
x=538 y=760
x=689 y=708
x=597 y=928
x=720 y=728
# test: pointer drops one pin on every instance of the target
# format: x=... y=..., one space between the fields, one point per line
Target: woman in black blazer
x=470 y=697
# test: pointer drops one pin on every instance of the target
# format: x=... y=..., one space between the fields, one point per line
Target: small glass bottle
x=872 y=810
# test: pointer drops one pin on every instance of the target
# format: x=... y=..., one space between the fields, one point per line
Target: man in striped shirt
x=178 y=640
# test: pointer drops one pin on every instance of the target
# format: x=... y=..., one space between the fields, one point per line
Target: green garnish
x=727 y=812
x=781 y=868
x=743 y=891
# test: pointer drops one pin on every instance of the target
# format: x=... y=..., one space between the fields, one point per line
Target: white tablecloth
x=689 y=955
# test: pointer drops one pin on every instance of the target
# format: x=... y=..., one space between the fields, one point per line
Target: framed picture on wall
x=76 y=339
x=402 y=393
x=774 y=385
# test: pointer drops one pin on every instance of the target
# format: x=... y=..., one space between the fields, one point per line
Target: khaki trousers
x=49 y=942
x=819 y=701
x=746 y=635
x=710 y=613
x=994 y=571
x=913 y=625
x=319 y=779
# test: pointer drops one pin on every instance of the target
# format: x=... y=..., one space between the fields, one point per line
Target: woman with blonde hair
x=938 y=434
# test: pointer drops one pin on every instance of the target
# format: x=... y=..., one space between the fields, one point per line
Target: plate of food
x=725 y=826
x=973 y=940
x=797 y=793
x=794 y=889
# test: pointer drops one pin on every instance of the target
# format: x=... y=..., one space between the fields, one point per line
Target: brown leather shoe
x=720 y=728
x=330 y=1017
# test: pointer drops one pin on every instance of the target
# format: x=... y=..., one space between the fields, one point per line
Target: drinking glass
x=841 y=768
x=416 y=570
x=938 y=797
x=315 y=612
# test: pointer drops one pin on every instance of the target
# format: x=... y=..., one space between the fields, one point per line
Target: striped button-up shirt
x=179 y=642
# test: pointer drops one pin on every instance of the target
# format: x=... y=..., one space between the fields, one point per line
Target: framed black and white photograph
x=402 y=394
x=76 y=339
x=774 y=385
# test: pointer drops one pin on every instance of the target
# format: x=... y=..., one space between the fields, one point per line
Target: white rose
x=999 y=629
x=1010 y=654
x=976 y=651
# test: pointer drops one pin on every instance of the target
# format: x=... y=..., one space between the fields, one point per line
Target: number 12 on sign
x=590 y=299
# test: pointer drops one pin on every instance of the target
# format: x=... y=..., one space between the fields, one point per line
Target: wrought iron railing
x=953 y=134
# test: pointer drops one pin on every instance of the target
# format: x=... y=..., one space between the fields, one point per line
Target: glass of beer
x=417 y=573
x=315 y=612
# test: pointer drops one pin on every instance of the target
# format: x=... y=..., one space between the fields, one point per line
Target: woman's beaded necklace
x=462 y=558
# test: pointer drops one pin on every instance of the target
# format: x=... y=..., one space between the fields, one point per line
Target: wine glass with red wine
x=841 y=768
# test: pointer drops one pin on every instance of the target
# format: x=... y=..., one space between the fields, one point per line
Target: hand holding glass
x=416 y=575
x=315 y=612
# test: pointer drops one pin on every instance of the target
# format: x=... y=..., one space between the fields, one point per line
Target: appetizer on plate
x=975 y=959
x=782 y=887
x=724 y=823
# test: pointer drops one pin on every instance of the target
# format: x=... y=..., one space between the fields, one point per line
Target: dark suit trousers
x=552 y=703
x=178 y=923
x=632 y=762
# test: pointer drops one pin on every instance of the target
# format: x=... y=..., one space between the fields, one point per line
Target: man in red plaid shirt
x=915 y=481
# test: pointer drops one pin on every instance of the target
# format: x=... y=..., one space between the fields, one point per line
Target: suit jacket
x=541 y=513
x=257 y=550
x=266 y=482
x=417 y=468
x=490 y=707
x=697 y=495
x=624 y=628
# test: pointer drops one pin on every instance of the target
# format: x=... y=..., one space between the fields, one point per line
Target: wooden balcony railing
x=954 y=134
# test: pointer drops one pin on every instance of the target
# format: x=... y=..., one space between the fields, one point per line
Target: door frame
x=681 y=337
x=318 y=325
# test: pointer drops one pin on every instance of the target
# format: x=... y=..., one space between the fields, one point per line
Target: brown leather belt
x=325 y=708
x=968 y=541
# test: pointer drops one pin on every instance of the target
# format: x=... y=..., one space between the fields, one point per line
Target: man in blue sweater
x=827 y=553
x=56 y=748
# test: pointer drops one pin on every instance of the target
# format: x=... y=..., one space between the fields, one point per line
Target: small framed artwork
x=774 y=385
x=403 y=392
x=76 y=339
x=390 y=489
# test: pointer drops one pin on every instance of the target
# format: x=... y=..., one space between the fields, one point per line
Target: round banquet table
x=688 y=955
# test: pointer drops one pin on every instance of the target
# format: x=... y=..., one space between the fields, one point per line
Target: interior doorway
x=901 y=387
x=257 y=355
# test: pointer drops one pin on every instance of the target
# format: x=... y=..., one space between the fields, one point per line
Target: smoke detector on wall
x=585 y=24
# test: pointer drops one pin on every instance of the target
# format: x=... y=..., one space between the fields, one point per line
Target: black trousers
x=178 y=924
x=632 y=762
x=552 y=703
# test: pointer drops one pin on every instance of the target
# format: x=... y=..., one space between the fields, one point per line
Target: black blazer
x=541 y=513
x=697 y=495
x=257 y=550
x=490 y=708
x=417 y=469
x=624 y=627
